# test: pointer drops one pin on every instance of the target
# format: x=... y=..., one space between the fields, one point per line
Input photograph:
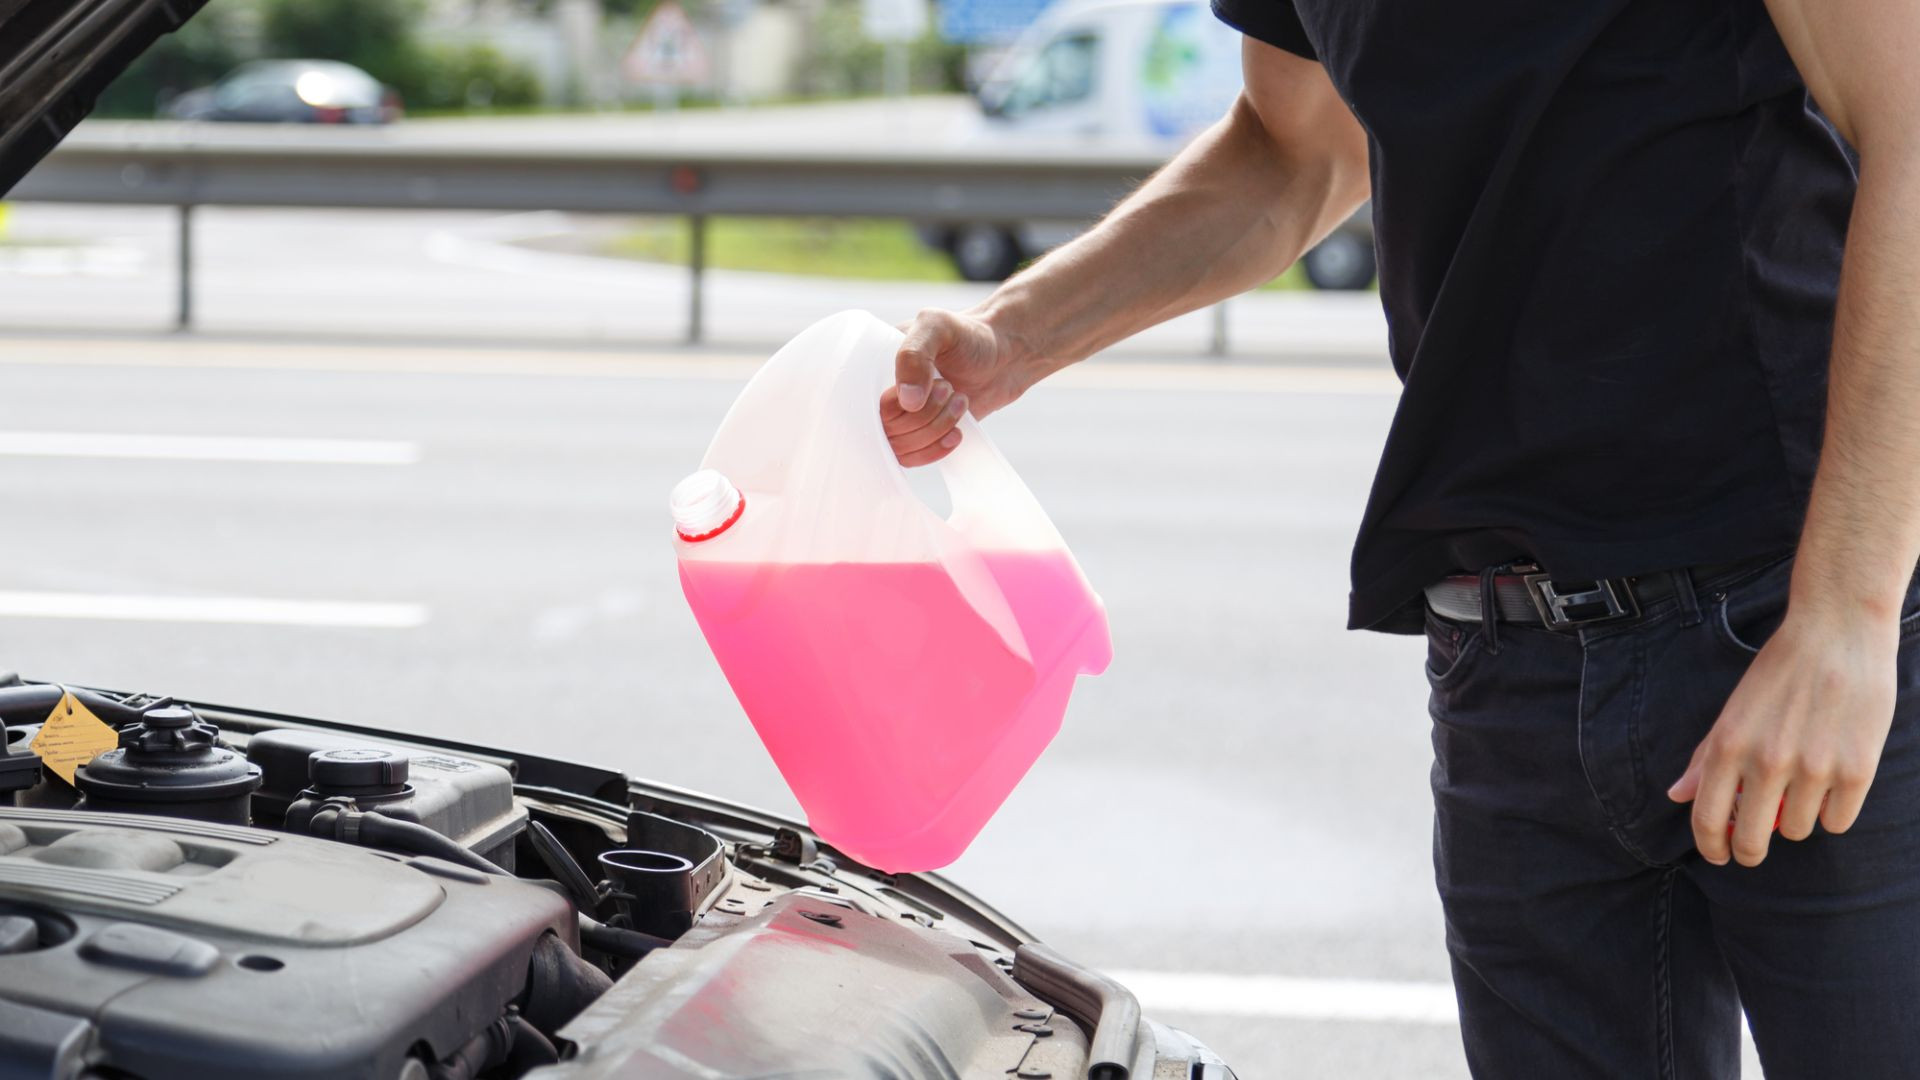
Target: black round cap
x=173 y=716
x=356 y=767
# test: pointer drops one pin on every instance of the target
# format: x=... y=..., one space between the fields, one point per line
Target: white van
x=1116 y=74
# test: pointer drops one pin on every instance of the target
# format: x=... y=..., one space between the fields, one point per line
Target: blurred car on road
x=1115 y=75
x=290 y=92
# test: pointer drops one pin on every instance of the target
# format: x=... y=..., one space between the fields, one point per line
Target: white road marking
x=111 y=259
x=92 y=444
x=1282 y=997
x=211 y=609
x=1291 y=997
x=490 y=245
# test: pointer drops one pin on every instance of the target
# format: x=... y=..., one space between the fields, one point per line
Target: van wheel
x=986 y=252
x=1342 y=261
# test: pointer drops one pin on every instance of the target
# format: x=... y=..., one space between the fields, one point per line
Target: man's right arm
x=1235 y=208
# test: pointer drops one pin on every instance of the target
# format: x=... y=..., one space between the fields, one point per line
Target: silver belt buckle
x=1609 y=599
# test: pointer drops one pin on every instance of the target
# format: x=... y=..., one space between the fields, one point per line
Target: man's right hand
x=950 y=364
x=1237 y=206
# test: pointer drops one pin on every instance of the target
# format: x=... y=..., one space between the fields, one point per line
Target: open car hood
x=55 y=58
x=231 y=893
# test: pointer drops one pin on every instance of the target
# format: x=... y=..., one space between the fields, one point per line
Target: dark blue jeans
x=1588 y=937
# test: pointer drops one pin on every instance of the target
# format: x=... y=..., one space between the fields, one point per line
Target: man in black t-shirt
x=1650 y=490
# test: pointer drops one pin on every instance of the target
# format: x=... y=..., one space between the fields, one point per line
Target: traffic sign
x=668 y=51
x=893 y=20
x=987 y=22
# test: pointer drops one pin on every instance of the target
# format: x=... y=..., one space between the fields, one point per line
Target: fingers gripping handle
x=913 y=368
x=992 y=507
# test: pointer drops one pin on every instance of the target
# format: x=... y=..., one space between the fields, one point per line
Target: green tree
x=842 y=61
x=207 y=47
x=382 y=38
x=470 y=77
x=375 y=35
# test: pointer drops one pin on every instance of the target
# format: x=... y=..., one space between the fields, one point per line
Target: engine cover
x=180 y=950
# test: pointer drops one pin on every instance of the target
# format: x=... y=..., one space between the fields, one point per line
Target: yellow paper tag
x=71 y=736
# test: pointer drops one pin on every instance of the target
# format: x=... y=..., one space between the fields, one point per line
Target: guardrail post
x=1217 y=342
x=696 y=269
x=183 y=312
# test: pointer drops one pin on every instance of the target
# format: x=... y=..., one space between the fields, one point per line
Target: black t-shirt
x=1609 y=236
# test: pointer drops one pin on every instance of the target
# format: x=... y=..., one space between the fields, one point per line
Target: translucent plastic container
x=903 y=669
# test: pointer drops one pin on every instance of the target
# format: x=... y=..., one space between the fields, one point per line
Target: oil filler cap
x=357 y=770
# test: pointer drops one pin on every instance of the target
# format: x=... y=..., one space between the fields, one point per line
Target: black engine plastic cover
x=181 y=950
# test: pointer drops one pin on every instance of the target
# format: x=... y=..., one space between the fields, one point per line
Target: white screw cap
x=704 y=504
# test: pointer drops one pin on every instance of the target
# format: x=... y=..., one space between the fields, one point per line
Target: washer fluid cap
x=705 y=505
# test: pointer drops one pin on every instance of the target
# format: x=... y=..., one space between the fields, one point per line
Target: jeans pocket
x=1746 y=632
x=1451 y=647
x=1746 y=613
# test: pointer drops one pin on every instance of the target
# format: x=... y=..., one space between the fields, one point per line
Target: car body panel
x=55 y=58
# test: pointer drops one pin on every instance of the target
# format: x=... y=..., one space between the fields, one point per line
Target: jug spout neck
x=705 y=505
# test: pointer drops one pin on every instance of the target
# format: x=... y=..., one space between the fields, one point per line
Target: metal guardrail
x=189 y=165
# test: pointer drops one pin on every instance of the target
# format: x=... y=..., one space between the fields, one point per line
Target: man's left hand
x=1803 y=732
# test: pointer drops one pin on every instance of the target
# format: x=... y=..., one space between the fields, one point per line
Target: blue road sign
x=987 y=22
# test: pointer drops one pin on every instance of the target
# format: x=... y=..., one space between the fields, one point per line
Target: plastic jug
x=904 y=670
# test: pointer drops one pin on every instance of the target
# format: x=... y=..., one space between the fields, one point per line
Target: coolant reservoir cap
x=356 y=767
x=705 y=505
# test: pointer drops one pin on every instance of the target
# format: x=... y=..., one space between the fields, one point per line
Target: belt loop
x=1689 y=600
x=1489 y=610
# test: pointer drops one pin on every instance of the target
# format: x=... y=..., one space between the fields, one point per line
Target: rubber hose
x=563 y=867
x=529 y=1049
x=321 y=824
x=559 y=985
x=378 y=830
x=618 y=941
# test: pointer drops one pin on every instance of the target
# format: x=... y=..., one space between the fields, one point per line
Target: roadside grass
x=686 y=103
x=818 y=247
x=1292 y=279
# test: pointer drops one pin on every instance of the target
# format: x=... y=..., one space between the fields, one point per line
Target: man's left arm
x=1809 y=720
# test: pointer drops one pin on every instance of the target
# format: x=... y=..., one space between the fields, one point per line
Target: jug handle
x=981 y=485
x=993 y=509
x=992 y=506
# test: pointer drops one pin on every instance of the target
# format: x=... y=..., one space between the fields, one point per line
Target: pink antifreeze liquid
x=899 y=717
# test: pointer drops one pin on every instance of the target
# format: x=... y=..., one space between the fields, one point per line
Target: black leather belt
x=1524 y=594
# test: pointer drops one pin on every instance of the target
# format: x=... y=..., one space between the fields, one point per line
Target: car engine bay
x=230 y=894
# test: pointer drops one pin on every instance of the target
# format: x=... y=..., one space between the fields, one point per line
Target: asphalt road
x=1242 y=798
